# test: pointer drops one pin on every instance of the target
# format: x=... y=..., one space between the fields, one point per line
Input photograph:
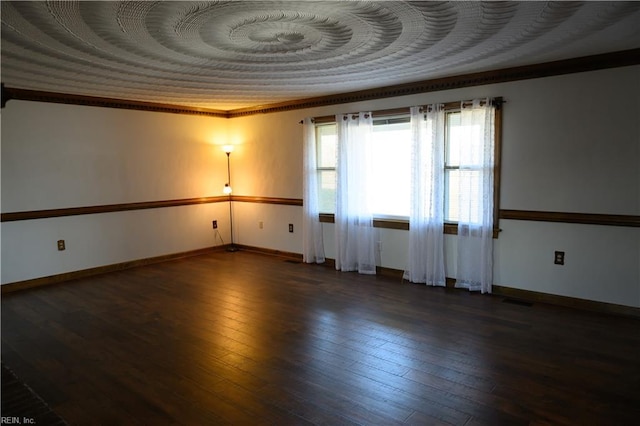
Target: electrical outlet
x=559 y=258
x=215 y=224
x=61 y=245
x=291 y=227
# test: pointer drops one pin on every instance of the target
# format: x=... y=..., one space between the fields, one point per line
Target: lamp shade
x=228 y=148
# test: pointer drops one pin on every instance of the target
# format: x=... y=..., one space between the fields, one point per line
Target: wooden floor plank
x=244 y=338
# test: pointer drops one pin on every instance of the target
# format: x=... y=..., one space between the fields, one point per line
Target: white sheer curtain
x=426 y=221
x=475 y=226
x=312 y=243
x=355 y=237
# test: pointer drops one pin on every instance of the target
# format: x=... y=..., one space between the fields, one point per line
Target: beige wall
x=571 y=143
x=59 y=156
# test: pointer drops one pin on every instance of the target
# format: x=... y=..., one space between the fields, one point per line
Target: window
x=455 y=143
x=326 y=155
x=392 y=160
x=391 y=156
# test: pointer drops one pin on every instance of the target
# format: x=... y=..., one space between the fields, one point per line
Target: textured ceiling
x=233 y=54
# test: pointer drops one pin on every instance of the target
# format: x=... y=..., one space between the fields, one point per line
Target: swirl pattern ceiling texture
x=233 y=54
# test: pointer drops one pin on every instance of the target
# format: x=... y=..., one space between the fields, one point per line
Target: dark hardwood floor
x=242 y=338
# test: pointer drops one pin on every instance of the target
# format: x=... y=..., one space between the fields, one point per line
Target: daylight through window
x=391 y=184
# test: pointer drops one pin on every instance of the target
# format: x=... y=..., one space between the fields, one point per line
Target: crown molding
x=9 y=93
x=547 y=69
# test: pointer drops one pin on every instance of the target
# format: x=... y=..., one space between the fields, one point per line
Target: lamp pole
x=227 y=188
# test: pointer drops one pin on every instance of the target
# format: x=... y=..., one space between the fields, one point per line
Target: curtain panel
x=426 y=221
x=354 y=232
x=475 y=226
x=312 y=242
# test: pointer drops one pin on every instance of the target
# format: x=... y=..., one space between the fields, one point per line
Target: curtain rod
x=497 y=102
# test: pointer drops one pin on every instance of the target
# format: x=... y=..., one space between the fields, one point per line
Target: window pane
x=456 y=182
x=452 y=191
x=464 y=145
x=327 y=191
x=326 y=141
x=454 y=139
x=326 y=144
x=391 y=183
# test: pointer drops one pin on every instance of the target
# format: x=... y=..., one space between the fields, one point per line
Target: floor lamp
x=227 y=190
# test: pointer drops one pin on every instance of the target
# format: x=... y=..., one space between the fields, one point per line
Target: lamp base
x=232 y=248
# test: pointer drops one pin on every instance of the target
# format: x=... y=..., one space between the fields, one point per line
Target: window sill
x=403 y=225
